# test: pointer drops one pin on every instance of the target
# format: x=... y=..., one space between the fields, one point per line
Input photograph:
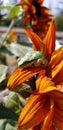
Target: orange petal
x=56 y=58
x=39 y=78
x=49 y=40
x=59 y=124
x=20 y=75
x=46 y=85
x=48 y=121
x=56 y=69
x=38 y=127
x=45 y=10
x=12 y=32
x=57 y=95
x=35 y=38
x=40 y=1
x=55 y=66
x=59 y=113
x=59 y=104
x=59 y=108
x=33 y=112
x=58 y=79
x=22 y=2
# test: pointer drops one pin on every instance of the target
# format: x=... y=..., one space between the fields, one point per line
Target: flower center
x=38 y=8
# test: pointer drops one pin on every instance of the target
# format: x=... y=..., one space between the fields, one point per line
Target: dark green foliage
x=59 y=22
x=7 y=113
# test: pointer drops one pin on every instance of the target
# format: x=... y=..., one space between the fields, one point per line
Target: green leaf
x=5 y=7
x=32 y=55
x=3 y=72
x=13 y=102
x=32 y=58
x=8 y=118
x=26 y=1
x=17 y=50
x=5 y=50
x=7 y=113
x=8 y=124
x=2 y=59
x=14 y=12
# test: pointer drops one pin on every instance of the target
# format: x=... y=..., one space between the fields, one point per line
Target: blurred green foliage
x=5 y=22
x=59 y=22
x=2 y=59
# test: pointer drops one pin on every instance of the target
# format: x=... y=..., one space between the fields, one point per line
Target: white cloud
x=55 y=6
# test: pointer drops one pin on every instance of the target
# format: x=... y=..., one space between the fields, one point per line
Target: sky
x=9 y=1
x=56 y=6
x=6 y=3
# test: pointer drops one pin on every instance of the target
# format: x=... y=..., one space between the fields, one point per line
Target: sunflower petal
x=55 y=66
x=56 y=69
x=39 y=78
x=57 y=95
x=38 y=127
x=59 y=114
x=20 y=75
x=40 y=1
x=48 y=121
x=56 y=58
x=49 y=40
x=45 y=85
x=58 y=79
x=33 y=112
x=59 y=124
x=35 y=38
x=45 y=10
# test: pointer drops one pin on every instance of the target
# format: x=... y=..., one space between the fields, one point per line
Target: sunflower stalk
x=9 y=28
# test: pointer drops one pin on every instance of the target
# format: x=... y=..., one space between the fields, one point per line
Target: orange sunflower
x=44 y=108
x=12 y=36
x=37 y=15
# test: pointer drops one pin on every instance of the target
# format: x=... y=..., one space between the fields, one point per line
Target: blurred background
x=56 y=6
x=14 y=44
x=56 y=9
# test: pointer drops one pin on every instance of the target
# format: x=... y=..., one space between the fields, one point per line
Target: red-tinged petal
x=20 y=75
x=59 y=124
x=53 y=128
x=48 y=121
x=35 y=38
x=33 y=9
x=49 y=40
x=57 y=95
x=45 y=10
x=46 y=85
x=59 y=104
x=58 y=108
x=38 y=127
x=34 y=111
x=40 y=1
x=58 y=114
x=26 y=18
